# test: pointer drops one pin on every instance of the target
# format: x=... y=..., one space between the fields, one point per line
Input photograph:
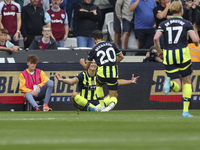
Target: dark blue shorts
x=112 y=83
x=127 y=25
x=175 y=70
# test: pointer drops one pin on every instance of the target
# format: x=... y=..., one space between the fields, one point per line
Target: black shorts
x=112 y=83
x=175 y=70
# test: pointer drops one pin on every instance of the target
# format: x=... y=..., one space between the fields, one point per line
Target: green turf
x=115 y=130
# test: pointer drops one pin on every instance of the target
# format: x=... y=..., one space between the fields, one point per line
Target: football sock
x=107 y=100
x=80 y=100
x=113 y=99
x=174 y=86
x=187 y=93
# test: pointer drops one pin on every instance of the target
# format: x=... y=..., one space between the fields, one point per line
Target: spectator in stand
x=45 y=41
x=125 y=16
x=5 y=44
x=196 y=23
x=57 y=18
x=32 y=22
x=10 y=18
x=87 y=15
x=105 y=7
x=162 y=13
x=35 y=84
x=42 y=3
x=69 y=9
x=143 y=22
x=63 y=4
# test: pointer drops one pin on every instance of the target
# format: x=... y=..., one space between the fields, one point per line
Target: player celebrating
x=176 y=53
x=106 y=55
x=86 y=98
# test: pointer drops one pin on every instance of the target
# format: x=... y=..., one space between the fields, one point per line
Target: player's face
x=46 y=32
x=34 y=2
x=93 y=65
x=56 y=3
x=31 y=66
x=3 y=37
x=88 y=1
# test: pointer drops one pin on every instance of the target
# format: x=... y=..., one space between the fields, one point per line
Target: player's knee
x=116 y=95
x=74 y=95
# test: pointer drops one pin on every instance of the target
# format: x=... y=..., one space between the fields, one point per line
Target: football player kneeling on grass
x=86 y=98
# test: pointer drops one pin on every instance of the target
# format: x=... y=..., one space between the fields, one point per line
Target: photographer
x=152 y=55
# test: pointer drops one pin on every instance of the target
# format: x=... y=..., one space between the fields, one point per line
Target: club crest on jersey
x=52 y=15
x=63 y=16
x=12 y=7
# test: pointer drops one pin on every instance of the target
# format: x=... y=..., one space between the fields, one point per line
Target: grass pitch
x=115 y=130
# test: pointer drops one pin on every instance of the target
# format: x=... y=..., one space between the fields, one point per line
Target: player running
x=176 y=56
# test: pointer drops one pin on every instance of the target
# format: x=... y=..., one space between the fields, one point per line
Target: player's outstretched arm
x=67 y=80
x=133 y=80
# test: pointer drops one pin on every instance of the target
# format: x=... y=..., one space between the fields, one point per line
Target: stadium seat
x=21 y=41
x=108 y=17
x=63 y=48
x=111 y=30
x=71 y=42
x=82 y=48
x=132 y=43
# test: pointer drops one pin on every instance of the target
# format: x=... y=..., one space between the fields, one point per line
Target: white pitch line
x=26 y=119
x=93 y=140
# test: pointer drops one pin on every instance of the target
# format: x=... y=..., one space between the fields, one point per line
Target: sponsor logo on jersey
x=57 y=21
x=8 y=13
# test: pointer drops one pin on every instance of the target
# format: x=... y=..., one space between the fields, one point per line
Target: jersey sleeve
x=189 y=27
x=66 y=19
x=160 y=27
x=91 y=55
x=47 y=18
x=117 y=50
x=80 y=77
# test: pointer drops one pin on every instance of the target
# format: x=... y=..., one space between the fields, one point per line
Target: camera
x=152 y=56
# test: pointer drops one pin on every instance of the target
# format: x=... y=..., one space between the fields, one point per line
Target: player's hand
x=82 y=61
x=134 y=79
x=16 y=36
x=58 y=76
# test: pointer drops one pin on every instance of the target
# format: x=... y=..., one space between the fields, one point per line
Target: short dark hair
x=97 y=34
x=4 y=31
x=32 y=59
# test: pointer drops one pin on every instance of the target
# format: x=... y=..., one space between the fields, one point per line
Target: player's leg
x=186 y=72
x=111 y=101
x=187 y=94
x=81 y=103
x=172 y=81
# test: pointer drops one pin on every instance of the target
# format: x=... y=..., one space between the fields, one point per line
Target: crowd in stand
x=78 y=18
